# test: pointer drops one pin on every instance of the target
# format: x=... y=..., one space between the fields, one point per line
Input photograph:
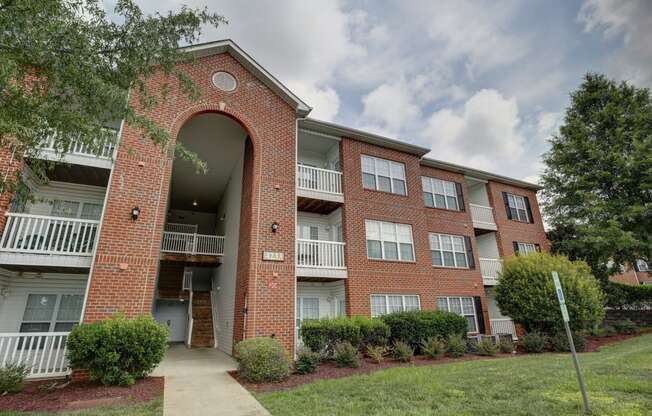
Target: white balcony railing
x=181 y=228
x=490 y=269
x=503 y=326
x=320 y=254
x=43 y=352
x=483 y=216
x=104 y=150
x=320 y=180
x=192 y=243
x=40 y=234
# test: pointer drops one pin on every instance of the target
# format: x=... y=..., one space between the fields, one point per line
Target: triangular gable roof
x=230 y=47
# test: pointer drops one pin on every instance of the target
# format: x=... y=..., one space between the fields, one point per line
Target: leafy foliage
x=321 y=335
x=622 y=296
x=433 y=347
x=262 y=359
x=402 y=351
x=598 y=176
x=506 y=345
x=12 y=377
x=307 y=361
x=374 y=331
x=526 y=292
x=559 y=342
x=486 y=346
x=67 y=67
x=414 y=326
x=625 y=326
x=376 y=353
x=534 y=342
x=117 y=351
x=456 y=346
x=346 y=355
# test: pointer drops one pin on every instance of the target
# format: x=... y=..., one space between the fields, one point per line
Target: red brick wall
x=9 y=169
x=366 y=277
x=631 y=277
x=127 y=259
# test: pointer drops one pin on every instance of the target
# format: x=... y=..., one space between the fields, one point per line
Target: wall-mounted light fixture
x=274 y=226
x=194 y=202
x=135 y=213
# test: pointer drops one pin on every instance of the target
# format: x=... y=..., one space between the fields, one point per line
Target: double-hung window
x=389 y=241
x=383 y=175
x=518 y=207
x=525 y=248
x=463 y=306
x=48 y=312
x=449 y=250
x=440 y=194
x=384 y=304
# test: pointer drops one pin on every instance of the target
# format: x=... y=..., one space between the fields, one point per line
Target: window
x=389 y=241
x=518 y=207
x=440 y=194
x=45 y=313
x=341 y=307
x=66 y=209
x=449 y=250
x=642 y=266
x=525 y=248
x=463 y=306
x=91 y=211
x=307 y=308
x=384 y=304
x=383 y=175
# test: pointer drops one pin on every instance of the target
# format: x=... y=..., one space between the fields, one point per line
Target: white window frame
x=53 y=321
x=521 y=212
x=454 y=251
x=299 y=312
x=428 y=187
x=526 y=248
x=642 y=266
x=79 y=209
x=387 y=296
x=391 y=176
x=381 y=226
x=462 y=314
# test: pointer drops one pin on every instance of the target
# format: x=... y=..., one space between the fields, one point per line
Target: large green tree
x=67 y=67
x=598 y=176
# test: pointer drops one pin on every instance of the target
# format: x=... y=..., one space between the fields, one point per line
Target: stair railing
x=187 y=285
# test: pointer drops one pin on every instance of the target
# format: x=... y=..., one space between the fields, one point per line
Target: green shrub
x=307 y=361
x=506 y=345
x=433 y=347
x=262 y=359
x=346 y=355
x=373 y=331
x=376 y=353
x=534 y=342
x=117 y=351
x=526 y=292
x=603 y=331
x=12 y=377
x=559 y=342
x=415 y=326
x=402 y=352
x=622 y=296
x=456 y=346
x=321 y=335
x=625 y=327
x=486 y=346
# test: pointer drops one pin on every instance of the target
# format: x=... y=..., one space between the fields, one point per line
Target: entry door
x=307 y=308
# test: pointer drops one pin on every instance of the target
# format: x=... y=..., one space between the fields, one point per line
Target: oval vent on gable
x=224 y=81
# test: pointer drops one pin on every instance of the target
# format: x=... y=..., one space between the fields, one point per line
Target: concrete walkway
x=197 y=383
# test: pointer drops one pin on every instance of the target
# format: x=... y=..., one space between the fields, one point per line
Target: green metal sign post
x=576 y=362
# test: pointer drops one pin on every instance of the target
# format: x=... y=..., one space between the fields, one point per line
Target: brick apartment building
x=296 y=219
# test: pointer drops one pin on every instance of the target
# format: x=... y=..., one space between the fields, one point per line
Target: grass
x=618 y=379
x=152 y=408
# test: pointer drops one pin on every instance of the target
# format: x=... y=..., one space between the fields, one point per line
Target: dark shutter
x=478 y=314
x=529 y=209
x=469 y=252
x=460 y=196
x=509 y=212
x=515 y=244
x=538 y=247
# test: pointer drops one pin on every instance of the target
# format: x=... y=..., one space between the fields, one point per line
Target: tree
x=597 y=182
x=66 y=69
x=526 y=293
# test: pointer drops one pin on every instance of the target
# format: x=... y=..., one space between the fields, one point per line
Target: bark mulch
x=593 y=344
x=52 y=396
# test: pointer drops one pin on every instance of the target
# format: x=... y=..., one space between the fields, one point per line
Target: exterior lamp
x=274 y=226
x=135 y=213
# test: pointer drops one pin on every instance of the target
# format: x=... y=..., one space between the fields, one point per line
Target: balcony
x=80 y=154
x=503 y=327
x=320 y=259
x=39 y=240
x=318 y=190
x=490 y=269
x=44 y=353
x=190 y=246
x=483 y=217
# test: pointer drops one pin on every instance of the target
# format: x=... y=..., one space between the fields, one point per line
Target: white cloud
x=325 y=101
x=391 y=106
x=548 y=123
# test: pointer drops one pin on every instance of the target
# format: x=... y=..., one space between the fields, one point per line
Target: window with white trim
x=384 y=304
x=438 y=193
x=642 y=266
x=463 y=306
x=383 y=175
x=48 y=312
x=526 y=248
x=389 y=241
x=517 y=207
x=307 y=308
x=448 y=250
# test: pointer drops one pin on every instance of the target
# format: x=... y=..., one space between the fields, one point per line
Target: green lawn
x=153 y=408
x=619 y=382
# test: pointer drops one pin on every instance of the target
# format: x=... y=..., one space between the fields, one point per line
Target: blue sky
x=482 y=83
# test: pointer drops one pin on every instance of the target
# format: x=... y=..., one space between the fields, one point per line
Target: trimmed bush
x=117 y=351
x=414 y=326
x=534 y=342
x=625 y=326
x=262 y=359
x=506 y=345
x=402 y=352
x=526 y=292
x=486 y=346
x=346 y=355
x=559 y=342
x=376 y=353
x=321 y=335
x=307 y=361
x=622 y=296
x=373 y=331
x=456 y=346
x=12 y=377
x=433 y=347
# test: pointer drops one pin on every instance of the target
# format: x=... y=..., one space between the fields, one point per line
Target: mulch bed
x=593 y=344
x=52 y=396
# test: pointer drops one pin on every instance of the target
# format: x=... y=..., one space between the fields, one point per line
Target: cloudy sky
x=482 y=83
